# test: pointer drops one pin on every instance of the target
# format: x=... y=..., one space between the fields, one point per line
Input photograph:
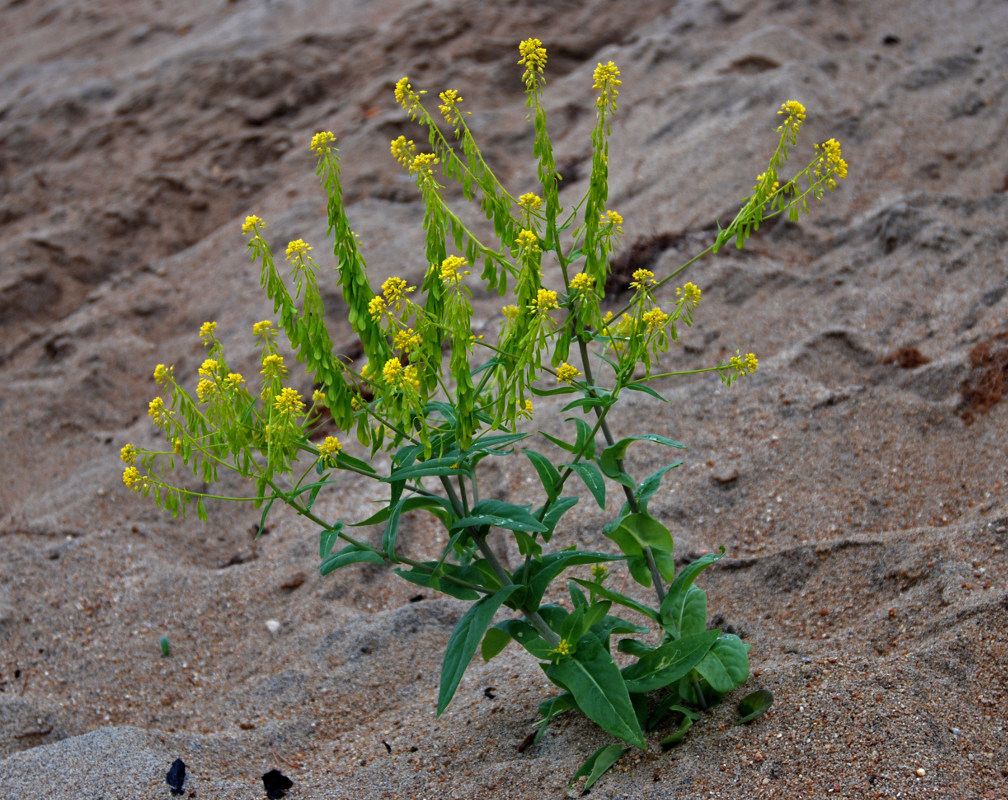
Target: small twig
x=38 y=732
x=287 y=761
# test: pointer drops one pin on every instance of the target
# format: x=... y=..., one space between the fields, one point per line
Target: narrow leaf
x=597 y=765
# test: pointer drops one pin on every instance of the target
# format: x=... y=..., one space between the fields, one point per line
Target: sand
x=859 y=480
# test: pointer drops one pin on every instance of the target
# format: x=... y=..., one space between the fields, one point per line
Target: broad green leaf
x=548 y=475
x=526 y=636
x=596 y=766
x=726 y=665
x=350 y=554
x=552 y=708
x=612 y=455
x=668 y=663
x=691 y=615
x=328 y=538
x=595 y=682
x=673 y=604
x=500 y=514
x=554 y=512
x=592 y=478
x=464 y=641
x=494 y=640
x=650 y=484
x=634 y=532
x=754 y=705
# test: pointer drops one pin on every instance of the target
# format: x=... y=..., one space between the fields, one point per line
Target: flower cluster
x=533 y=57
x=607 y=83
x=320 y=142
x=566 y=373
x=451 y=270
x=642 y=279
x=449 y=106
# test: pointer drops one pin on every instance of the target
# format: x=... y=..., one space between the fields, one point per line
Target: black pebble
x=176 y=776
x=276 y=784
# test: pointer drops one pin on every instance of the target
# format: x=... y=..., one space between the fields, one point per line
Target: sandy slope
x=859 y=480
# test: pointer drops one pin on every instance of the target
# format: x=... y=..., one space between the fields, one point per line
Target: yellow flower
x=743 y=365
x=533 y=56
x=162 y=373
x=449 y=105
x=318 y=397
x=530 y=202
x=209 y=368
x=299 y=247
x=289 y=401
x=128 y=454
x=412 y=377
x=795 y=112
x=528 y=241
x=690 y=294
x=206 y=332
x=546 y=299
x=320 y=141
x=177 y=446
x=376 y=307
x=655 y=319
x=566 y=373
x=407 y=340
x=273 y=366
x=451 y=273
x=367 y=372
x=562 y=649
x=329 y=449
x=262 y=328
x=423 y=162
x=233 y=380
x=526 y=411
x=392 y=371
x=642 y=278
x=615 y=219
x=831 y=151
x=403 y=151
x=156 y=410
x=510 y=313
x=582 y=282
x=402 y=91
x=252 y=224
x=205 y=389
x=131 y=477
x=607 y=83
x=599 y=572
x=394 y=290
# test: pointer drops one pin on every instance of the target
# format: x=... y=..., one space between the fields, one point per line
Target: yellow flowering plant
x=438 y=416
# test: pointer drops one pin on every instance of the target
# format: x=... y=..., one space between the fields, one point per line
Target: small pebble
x=273 y=626
x=920 y=772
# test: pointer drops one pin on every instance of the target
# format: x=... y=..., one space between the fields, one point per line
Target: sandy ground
x=859 y=480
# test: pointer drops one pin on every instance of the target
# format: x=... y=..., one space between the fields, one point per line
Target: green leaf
x=548 y=475
x=666 y=705
x=538 y=574
x=597 y=765
x=622 y=599
x=464 y=641
x=592 y=478
x=550 y=709
x=650 y=484
x=643 y=387
x=328 y=538
x=440 y=583
x=668 y=663
x=492 y=442
x=691 y=615
x=679 y=735
x=439 y=467
x=634 y=532
x=595 y=682
x=555 y=510
x=526 y=636
x=754 y=705
x=494 y=640
x=350 y=554
x=672 y=607
x=726 y=664
x=409 y=504
x=500 y=514
x=612 y=455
